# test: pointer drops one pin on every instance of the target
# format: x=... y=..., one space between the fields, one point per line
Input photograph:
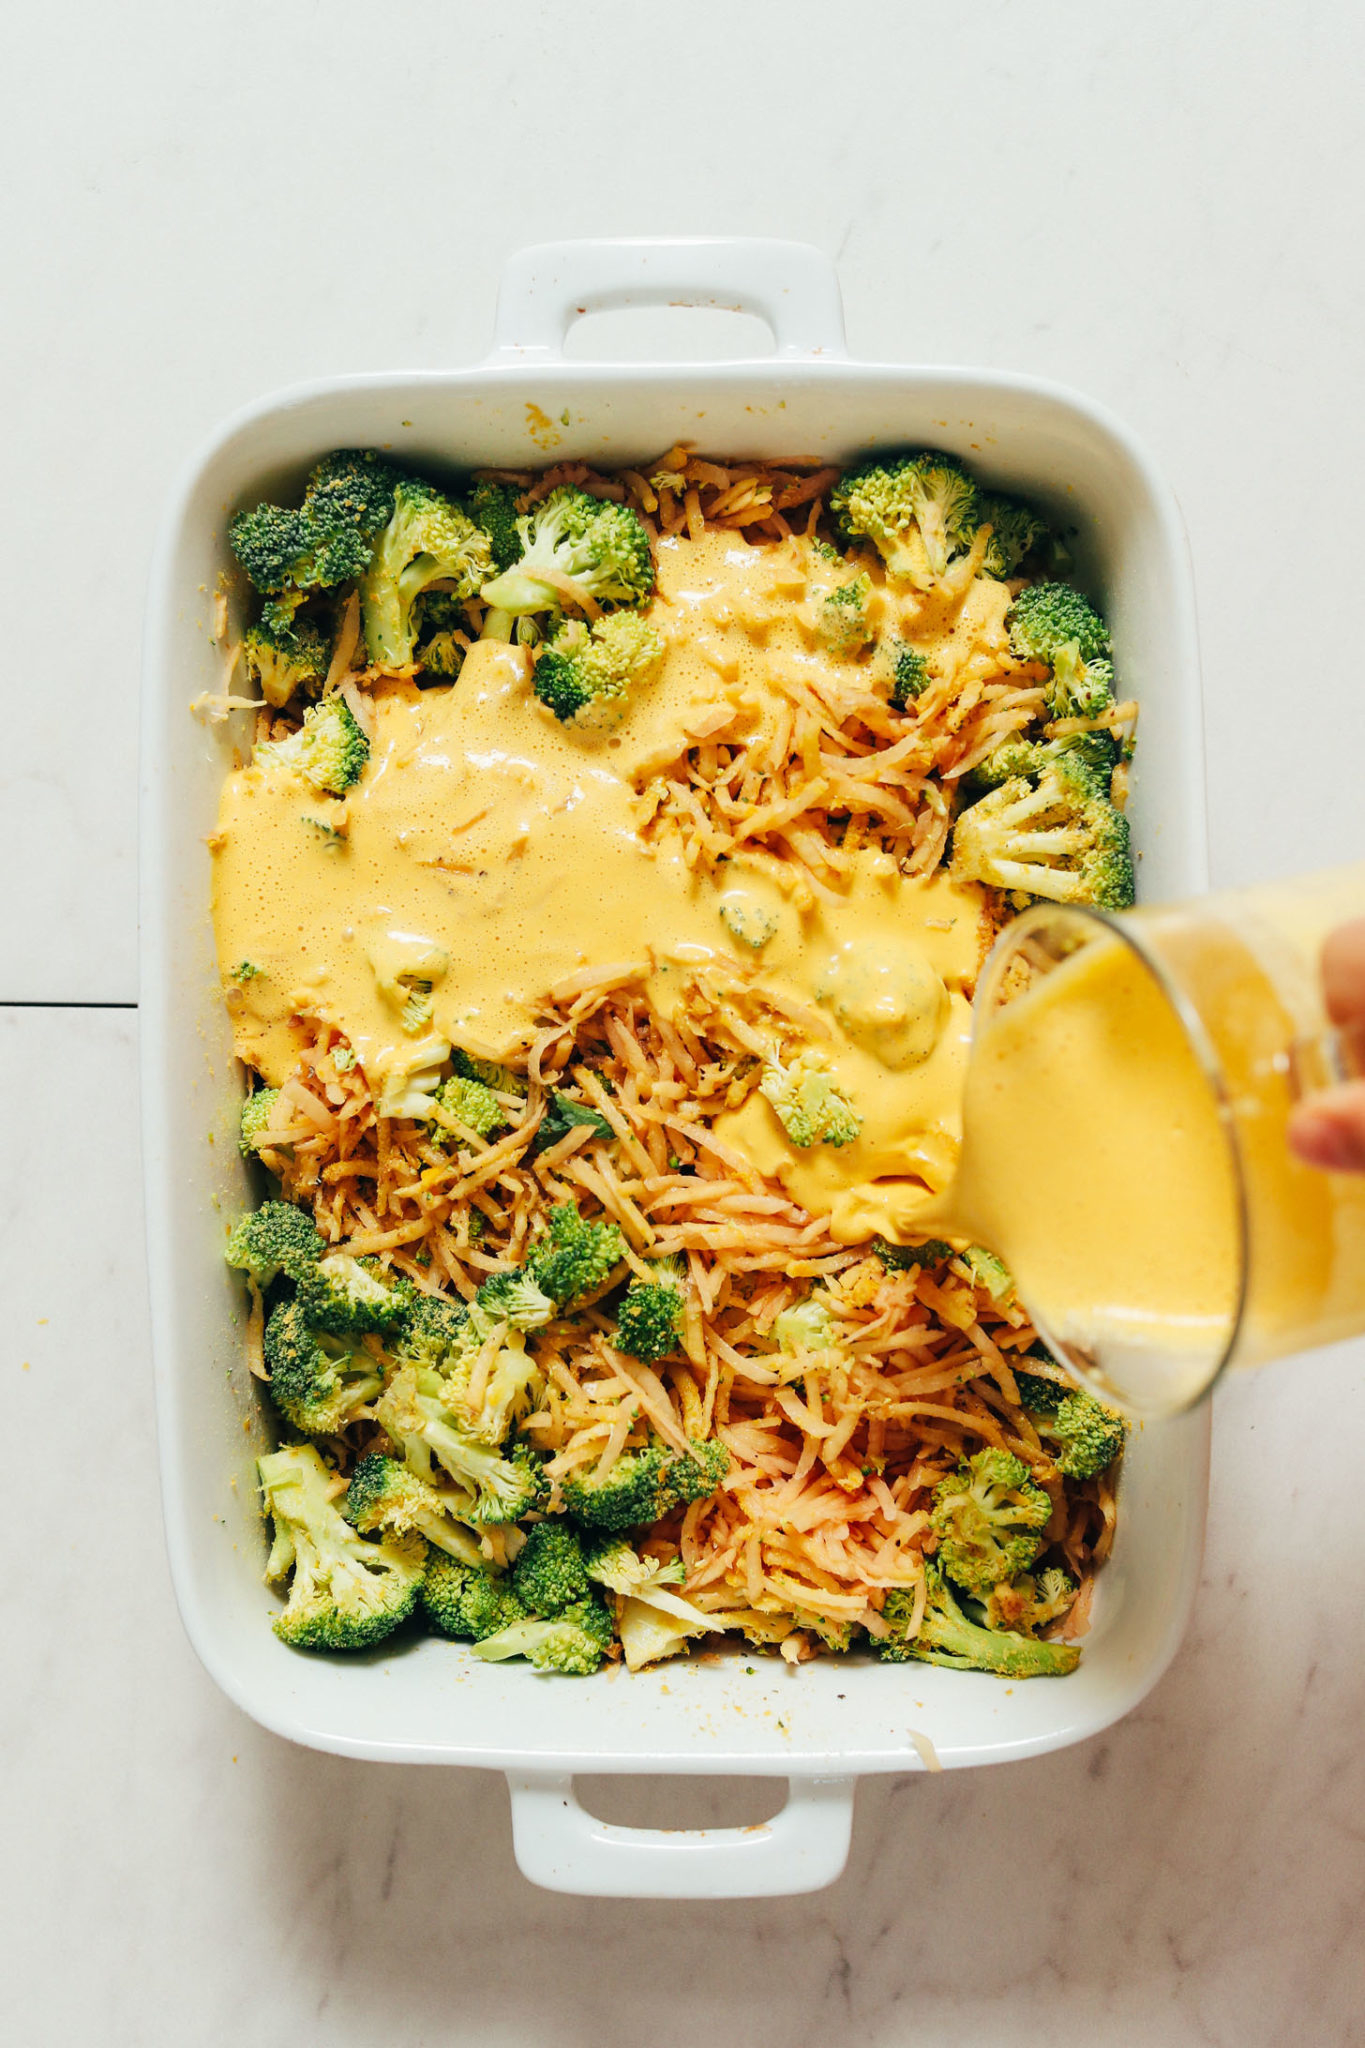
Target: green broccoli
x=494 y=508
x=910 y=676
x=564 y=1115
x=1083 y=1436
x=807 y=1326
x=572 y=1643
x=809 y=1107
x=601 y=547
x=916 y=510
x=1030 y=1603
x=1059 y=838
x=549 y=1574
x=644 y=1485
x=1096 y=751
x=503 y=1080
x=435 y=1334
x=343 y=1297
x=989 y=1516
x=290 y=553
x=256 y=1112
x=1016 y=530
x=574 y=1258
x=318 y=1382
x=588 y=674
x=424 y=1428
x=438 y=619
x=385 y=1499
x=346 y=1593
x=467 y=1602
x=650 y=1319
x=329 y=749
x=991 y=1274
x=427 y=540
x=899 y=1258
x=276 y=1238
x=1052 y=623
x=471 y=1104
x=841 y=624
x=657 y=1623
x=948 y=1636
x=285 y=658
x=612 y=1562
x=514 y=1298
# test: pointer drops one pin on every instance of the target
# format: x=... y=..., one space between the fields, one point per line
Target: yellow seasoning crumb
x=43 y=1322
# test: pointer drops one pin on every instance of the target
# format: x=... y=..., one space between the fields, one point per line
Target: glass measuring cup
x=1193 y=1030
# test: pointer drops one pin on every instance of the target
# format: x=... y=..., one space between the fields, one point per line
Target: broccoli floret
x=601 y=547
x=510 y=1386
x=644 y=1485
x=1059 y=838
x=255 y=1116
x=614 y=1564
x=285 y=658
x=409 y=1081
x=948 y=1636
x=572 y=1644
x=467 y=1602
x=589 y=673
x=807 y=1326
x=438 y=620
x=471 y=1104
x=564 y=1115
x=428 y=539
x=327 y=540
x=549 y=1574
x=898 y=1258
x=318 y=1382
x=1030 y=1603
x=504 y=1080
x=435 y=1334
x=989 y=1516
x=650 y=1319
x=513 y=1298
x=339 y=1295
x=992 y=1275
x=1016 y=529
x=276 y=1238
x=384 y=1498
x=1083 y=1436
x=910 y=676
x=1096 y=751
x=574 y=1257
x=329 y=749
x=1052 y=623
x=659 y=1624
x=346 y=1593
x=425 y=1428
x=841 y=623
x=916 y=510
x=809 y=1107
x=494 y=507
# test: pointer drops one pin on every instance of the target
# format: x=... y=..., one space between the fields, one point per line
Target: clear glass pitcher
x=1177 y=1235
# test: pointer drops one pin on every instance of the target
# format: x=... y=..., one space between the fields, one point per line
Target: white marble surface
x=175 y=1878
x=1153 y=204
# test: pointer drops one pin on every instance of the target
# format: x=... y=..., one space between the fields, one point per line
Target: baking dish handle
x=791 y=285
x=561 y=1846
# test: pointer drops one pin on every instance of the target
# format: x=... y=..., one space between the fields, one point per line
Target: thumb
x=1328 y=1130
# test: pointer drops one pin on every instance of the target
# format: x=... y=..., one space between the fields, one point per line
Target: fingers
x=1343 y=973
x=1328 y=1130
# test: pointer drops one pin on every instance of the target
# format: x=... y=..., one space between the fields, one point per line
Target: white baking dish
x=430 y=1702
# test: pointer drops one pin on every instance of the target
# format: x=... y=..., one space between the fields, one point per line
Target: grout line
x=37 y=1003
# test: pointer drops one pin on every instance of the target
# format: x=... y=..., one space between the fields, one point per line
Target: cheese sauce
x=489 y=854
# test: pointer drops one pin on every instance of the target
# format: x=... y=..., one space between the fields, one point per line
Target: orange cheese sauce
x=495 y=854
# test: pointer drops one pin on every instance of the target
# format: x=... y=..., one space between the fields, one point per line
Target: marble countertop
x=1151 y=206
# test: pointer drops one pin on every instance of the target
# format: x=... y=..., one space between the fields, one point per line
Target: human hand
x=1328 y=1129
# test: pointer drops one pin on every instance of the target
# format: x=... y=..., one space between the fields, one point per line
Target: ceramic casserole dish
x=428 y=1701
